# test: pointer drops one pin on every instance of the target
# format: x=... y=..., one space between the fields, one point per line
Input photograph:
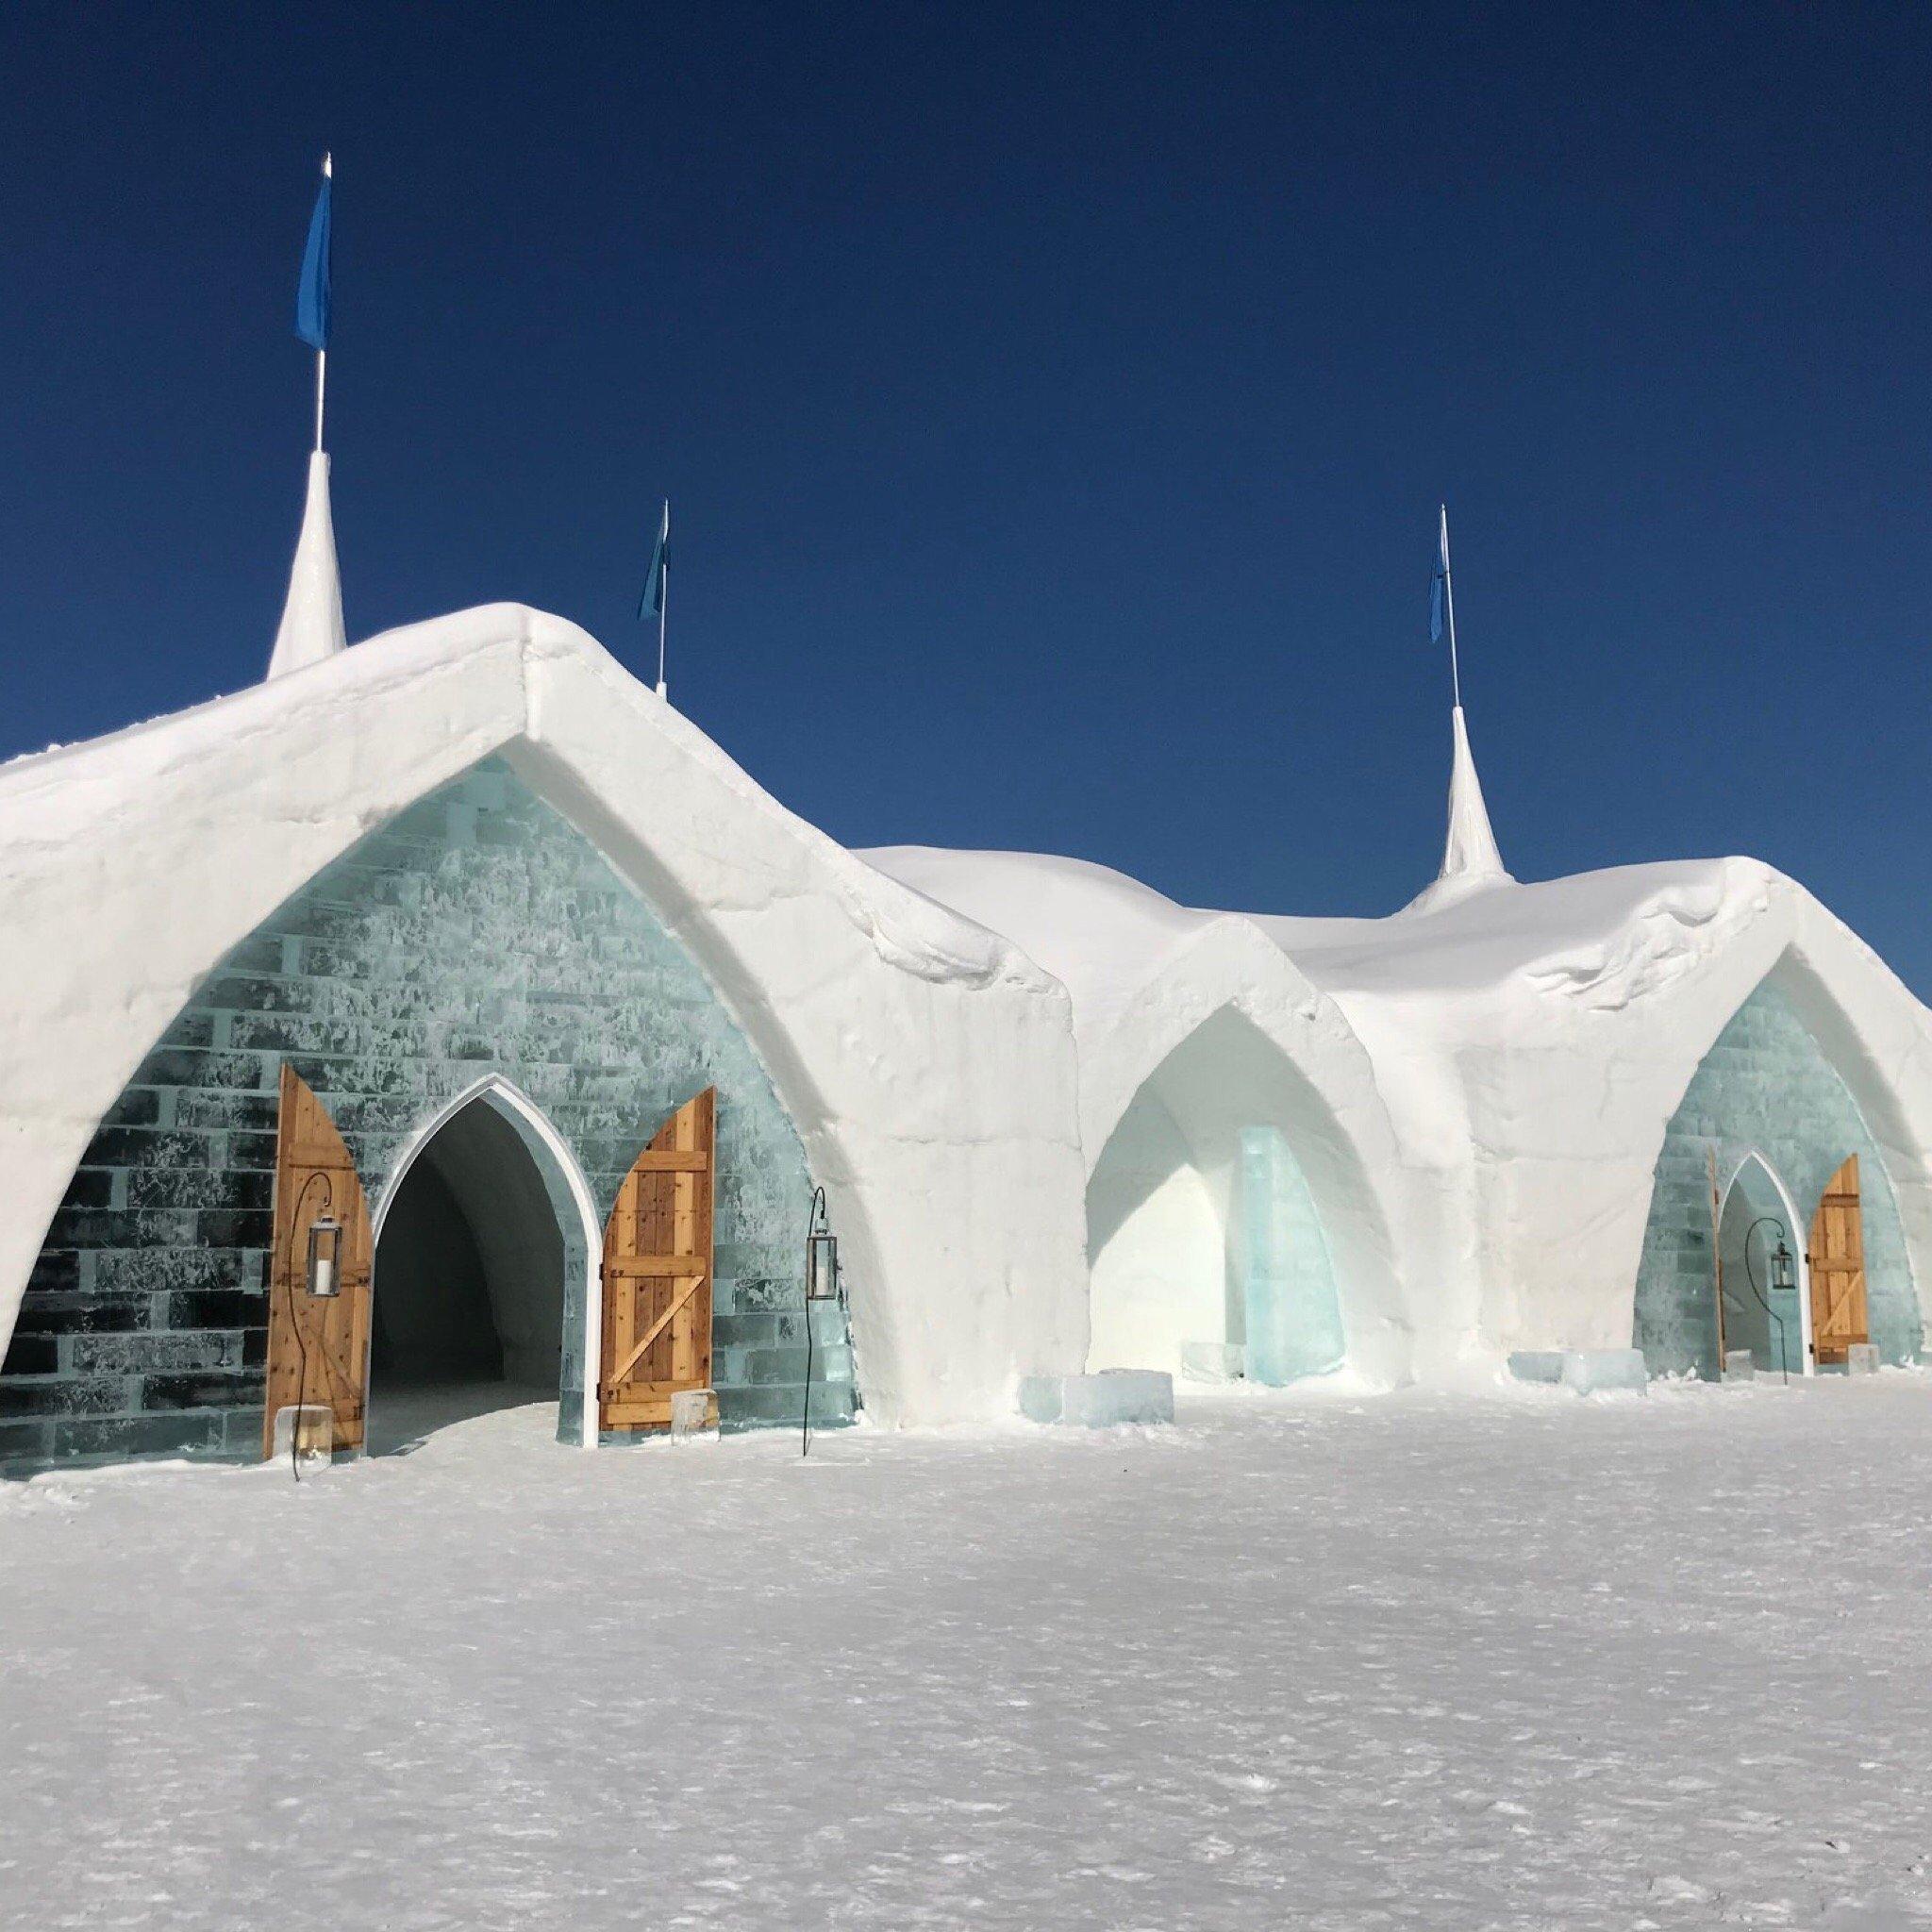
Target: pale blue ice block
x=1288 y=1283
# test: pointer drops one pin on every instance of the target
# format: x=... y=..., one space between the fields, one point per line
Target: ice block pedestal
x=1584 y=1370
x=1212 y=1362
x=1098 y=1402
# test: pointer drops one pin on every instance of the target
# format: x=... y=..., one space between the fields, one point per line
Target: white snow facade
x=497 y=915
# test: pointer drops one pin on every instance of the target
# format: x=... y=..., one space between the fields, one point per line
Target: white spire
x=312 y=618
x=1470 y=858
x=1471 y=850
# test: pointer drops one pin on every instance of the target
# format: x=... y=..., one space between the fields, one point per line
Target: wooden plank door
x=1837 y=1260
x=657 y=1336
x=318 y=1349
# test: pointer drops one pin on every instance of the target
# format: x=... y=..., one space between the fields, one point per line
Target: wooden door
x=1837 y=1260
x=657 y=1336
x=318 y=1349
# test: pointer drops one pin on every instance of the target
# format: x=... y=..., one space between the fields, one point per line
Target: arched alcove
x=1199 y=1214
x=1766 y=1088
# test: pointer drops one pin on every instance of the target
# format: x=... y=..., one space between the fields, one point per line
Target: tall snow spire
x=1470 y=855
x=311 y=628
x=1470 y=851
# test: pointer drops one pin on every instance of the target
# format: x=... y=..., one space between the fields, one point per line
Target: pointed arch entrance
x=1774 y=1323
x=479 y=931
x=1767 y=1090
x=485 y=1240
x=1206 y=1248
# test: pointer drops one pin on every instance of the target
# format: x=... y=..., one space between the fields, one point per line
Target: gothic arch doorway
x=1773 y=1325
x=484 y=1242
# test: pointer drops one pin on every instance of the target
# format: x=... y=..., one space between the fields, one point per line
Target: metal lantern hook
x=1782 y=1281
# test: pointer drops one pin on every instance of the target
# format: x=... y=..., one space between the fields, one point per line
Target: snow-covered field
x=1515 y=1661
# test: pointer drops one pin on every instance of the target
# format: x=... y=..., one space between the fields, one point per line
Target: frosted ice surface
x=1536 y=1365
x=1212 y=1362
x=1587 y=1370
x=1288 y=1288
x=1584 y=1370
x=1099 y=1402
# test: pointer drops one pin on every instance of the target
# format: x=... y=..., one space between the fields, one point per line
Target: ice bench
x=1584 y=1370
x=1098 y=1402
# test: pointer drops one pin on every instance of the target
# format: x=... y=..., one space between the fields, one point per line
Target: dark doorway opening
x=469 y=1291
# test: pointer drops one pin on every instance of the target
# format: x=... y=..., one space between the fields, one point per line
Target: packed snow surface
x=1513 y=1660
x=1088 y=924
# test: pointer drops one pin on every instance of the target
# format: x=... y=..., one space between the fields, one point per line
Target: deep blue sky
x=1054 y=404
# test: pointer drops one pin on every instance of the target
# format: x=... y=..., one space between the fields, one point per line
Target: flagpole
x=1449 y=600
x=321 y=355
x=663 y=600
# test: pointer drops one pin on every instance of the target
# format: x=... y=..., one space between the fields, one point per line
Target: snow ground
x=1519 y=1660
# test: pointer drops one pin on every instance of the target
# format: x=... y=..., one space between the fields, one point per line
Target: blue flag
x=1439 y=583
x=313 y=297
x=651 y=603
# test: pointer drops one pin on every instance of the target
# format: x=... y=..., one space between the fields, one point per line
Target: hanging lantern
x=821 y=1266
x=325 y=1258
x=1782 y=1278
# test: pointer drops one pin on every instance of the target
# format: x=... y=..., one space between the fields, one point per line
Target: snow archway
x=1204 y=1235
x=475 y=943
x=1768 y=1088
x=804 y=947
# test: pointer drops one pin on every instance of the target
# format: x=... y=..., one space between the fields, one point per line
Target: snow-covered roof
x=1599 y=938
x=1528 y=1042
